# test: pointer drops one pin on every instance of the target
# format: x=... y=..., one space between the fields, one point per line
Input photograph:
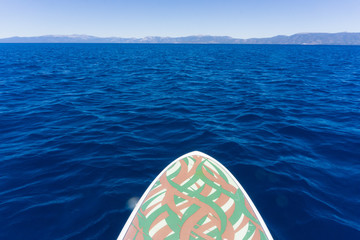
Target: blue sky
x=140 y=18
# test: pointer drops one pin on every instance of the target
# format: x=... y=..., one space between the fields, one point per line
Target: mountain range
x=343 y=38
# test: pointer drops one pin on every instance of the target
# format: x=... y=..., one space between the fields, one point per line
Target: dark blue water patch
x=86 y=127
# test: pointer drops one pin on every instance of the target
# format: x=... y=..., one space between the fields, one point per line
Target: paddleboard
x=195 y=197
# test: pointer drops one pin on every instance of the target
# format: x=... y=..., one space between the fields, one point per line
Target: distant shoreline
x=174 y=44
x=343 y=38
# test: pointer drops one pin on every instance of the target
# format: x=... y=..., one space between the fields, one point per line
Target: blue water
x=86 y=127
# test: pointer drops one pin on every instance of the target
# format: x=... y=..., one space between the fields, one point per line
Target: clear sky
x=140 y=18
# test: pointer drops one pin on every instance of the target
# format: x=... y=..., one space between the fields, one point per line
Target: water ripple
x=85 y=128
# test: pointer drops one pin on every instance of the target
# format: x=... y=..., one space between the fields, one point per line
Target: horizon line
x=152 y=36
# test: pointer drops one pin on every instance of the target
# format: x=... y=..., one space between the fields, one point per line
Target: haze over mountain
x=343 y=38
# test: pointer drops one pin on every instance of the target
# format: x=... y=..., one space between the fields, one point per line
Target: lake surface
x=86 y=127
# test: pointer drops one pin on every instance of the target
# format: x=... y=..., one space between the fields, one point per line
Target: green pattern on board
x=203 y=203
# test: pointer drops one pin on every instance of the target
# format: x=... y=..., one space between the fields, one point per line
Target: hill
x=298 y=39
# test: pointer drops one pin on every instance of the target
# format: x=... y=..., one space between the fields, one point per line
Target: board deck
x=195 y=197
